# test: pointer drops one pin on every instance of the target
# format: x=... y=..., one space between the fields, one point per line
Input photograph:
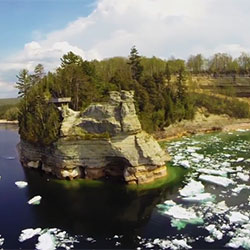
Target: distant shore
x=201 y=125
x=8 y=122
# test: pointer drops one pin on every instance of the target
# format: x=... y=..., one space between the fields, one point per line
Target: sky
x=41 y=31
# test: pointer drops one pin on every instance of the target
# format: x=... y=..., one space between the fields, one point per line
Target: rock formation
x=106 y=140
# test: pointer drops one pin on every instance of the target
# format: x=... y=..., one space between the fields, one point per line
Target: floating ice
x=212 y=172
x=49 y=238
x=181 y=244
x=240 y=187
x=29 y=233
x=218 y=180
x=169 y=203
x=240 y=238
x=179 y=212
x=21 y=184
x=200 y=198
x=184 y=164
x=237 y=218
x=217 y=234
x=220 y=207
x=192 y=188
x=243 y=177
x=209 y=239
x=1 y=241
x=46 y=241
x=35 y=200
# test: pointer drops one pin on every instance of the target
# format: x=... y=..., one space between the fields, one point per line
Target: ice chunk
x=35 y=200
x=184 y=164
x=198 y=156
x=243 y=177
x=1 y=241
x=200 y=198
x=21 y=184
x=181 y=244
x=209 y=239
x=46 y=241
x=218 y=180
x=217 y=234
x=29 y=233
x=240 y=187
x=240 y=159
x=240 y=238
x=169 y=203
x=237 y=218
x=220 y=207
x=212 y=172
x=182 y=216
x=192 y=188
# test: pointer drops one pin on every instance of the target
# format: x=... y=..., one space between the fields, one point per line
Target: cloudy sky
x=41 y=31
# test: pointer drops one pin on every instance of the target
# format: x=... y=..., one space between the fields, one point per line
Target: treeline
x=219 y=64
x=161 y=91
x=8 y=109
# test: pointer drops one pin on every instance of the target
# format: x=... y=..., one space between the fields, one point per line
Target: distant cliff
x=106 y=140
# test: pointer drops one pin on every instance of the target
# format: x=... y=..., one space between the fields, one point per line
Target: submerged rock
x=106 y=140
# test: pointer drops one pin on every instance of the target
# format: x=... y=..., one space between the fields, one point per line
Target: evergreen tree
x=23 y=83
x=38 y=74
x=135 y=64
x=70 y=58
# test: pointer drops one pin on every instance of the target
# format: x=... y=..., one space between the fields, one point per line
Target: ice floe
x=237 y=217
x=29 y=233
x=21 y=184
x=212 y=172
x=46 y=241
x=243 y=177
x=215 y=233
x=192 y=188
x=1 y=241
x=218 y=180
x=49 y=239
x=35 y=200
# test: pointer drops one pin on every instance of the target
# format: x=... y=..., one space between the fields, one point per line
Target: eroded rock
x=106 y=140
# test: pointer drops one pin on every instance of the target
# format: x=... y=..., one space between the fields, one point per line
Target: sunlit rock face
x=106 y=140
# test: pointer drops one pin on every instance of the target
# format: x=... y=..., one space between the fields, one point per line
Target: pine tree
x=23 y=83
x=135 y=64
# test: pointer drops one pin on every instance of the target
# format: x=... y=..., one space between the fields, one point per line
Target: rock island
x=105 y=140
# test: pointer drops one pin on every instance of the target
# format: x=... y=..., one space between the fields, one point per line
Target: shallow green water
x=110 y=215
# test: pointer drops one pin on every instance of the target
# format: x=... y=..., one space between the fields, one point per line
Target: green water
x=110 y=215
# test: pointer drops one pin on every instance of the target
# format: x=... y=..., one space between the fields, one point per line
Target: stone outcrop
x=106 y=140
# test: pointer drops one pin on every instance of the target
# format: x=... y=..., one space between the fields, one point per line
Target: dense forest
x=163 y=92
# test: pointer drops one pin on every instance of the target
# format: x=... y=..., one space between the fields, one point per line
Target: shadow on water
x=95 y=208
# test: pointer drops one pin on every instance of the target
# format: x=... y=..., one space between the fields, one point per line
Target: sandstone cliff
x=106 y=140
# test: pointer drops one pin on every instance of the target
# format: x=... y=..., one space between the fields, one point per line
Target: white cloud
x=7 y=90
x=157 y=27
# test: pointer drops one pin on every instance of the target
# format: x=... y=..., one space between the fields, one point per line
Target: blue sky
x=42 y=31
x=24 y=20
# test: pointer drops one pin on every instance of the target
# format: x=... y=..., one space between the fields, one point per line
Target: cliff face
x=106 y=140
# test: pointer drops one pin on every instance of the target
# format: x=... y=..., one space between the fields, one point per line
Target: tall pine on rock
x=135 y=64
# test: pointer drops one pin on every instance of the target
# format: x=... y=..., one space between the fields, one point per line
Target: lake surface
x=93 y=214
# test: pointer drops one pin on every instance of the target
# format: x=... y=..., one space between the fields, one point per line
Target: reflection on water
x=82 y=207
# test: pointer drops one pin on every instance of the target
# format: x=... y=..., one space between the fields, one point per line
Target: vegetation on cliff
x=163 y=90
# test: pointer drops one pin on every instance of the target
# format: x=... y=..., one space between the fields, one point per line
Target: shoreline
x=188 y=128
x=8 y=122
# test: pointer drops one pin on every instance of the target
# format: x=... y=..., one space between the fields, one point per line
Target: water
x=109 y=215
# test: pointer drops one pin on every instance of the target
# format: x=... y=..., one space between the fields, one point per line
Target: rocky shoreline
x=202 y=124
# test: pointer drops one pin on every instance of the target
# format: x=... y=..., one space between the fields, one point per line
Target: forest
x=163 y=89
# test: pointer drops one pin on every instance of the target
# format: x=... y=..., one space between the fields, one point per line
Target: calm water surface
x=113 y=215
